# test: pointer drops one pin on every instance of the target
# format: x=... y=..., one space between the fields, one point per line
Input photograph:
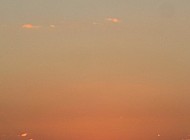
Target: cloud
x=24 y=134
x=52 y=26
x=30 y=26
x=96 y=23
x=113 y=20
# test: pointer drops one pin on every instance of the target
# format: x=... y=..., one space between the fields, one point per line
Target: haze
x=94 y=70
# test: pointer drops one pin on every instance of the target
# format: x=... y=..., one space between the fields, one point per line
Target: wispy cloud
x=52 y=26
x=30 y=26
x=24 y=134
x=113 y=20
x=96 y=23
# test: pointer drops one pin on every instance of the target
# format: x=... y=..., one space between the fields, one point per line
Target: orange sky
x=93 y=70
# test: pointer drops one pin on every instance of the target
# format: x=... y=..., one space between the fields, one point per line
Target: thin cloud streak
x=30 y=26
x=24 y=134
x=113 y=20
x=52 y=26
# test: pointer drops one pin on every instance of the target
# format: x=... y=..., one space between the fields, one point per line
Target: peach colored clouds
x=30 y=26
x=113 y=20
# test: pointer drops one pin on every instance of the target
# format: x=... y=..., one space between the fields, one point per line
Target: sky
x=94 y=70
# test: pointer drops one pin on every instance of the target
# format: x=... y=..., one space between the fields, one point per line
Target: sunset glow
x=94 y=70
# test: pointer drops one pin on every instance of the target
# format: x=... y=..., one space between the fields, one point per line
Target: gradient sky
x=94 y=70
